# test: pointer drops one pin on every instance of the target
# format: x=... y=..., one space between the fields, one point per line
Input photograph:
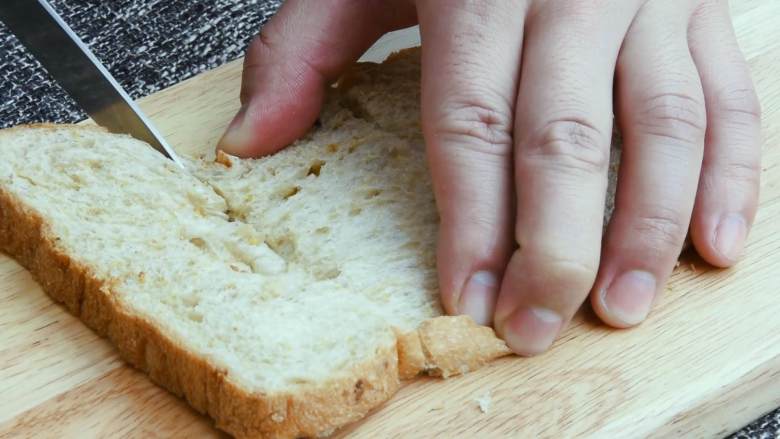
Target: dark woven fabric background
x=149 y=45
x=146 y=44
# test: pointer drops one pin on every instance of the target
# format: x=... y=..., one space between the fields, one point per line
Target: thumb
x=301 y=49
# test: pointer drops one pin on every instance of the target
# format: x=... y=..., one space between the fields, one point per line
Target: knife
x=70 y=62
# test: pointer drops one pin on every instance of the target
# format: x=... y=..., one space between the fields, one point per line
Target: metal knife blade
x=78 y=71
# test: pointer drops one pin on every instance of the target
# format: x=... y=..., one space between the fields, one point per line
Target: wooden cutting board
x=705 y=363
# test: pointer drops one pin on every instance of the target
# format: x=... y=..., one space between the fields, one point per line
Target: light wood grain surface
x=705 y=363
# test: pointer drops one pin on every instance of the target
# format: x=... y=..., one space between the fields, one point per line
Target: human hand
x=517 y=101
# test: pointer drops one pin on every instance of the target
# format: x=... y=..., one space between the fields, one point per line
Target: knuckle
x=661 y=232
x=477 y=125
x=573 y=274
x=573 y=144
x=258 y=43
x=481 y=9
x=738 y=104
x=677 y=116
x=743 y=171
x=473 y=229
x=257 y=53
x=259 y=47
x=583 y=10
x=573 y=269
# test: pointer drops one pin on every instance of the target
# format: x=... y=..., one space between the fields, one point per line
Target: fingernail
x=237 y=134
x=730 y=236
x=630 y=296
x=478 y=297
x=531 y=331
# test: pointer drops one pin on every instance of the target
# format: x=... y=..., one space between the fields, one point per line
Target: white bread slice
x=284 y=296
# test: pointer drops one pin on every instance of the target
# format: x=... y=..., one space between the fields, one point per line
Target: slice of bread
x=284 y=296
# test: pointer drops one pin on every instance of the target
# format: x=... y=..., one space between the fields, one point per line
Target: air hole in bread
x=395 y=153
x=371 y=193
x=327 y=273
x=322 y=230
x=359 y=390
x=191 y=300
x=195 y=316
x=411 y=245
x=198 y=242
x=284 y=246
x=291 y=191
x=234 y=216
x=315 y=168
x=77 y=180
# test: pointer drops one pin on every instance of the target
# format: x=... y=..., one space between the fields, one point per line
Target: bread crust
x=441 y=346
x=447 y=346
x=55 y=127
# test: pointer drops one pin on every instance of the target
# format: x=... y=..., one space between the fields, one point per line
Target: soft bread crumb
x=485 y=402
x=439 y=406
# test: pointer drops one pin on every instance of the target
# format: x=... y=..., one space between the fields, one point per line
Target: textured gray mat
x=146 y=44
x=149 y=45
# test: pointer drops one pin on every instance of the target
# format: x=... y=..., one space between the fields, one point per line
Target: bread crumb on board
x=484 y=402
x=436 y=408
